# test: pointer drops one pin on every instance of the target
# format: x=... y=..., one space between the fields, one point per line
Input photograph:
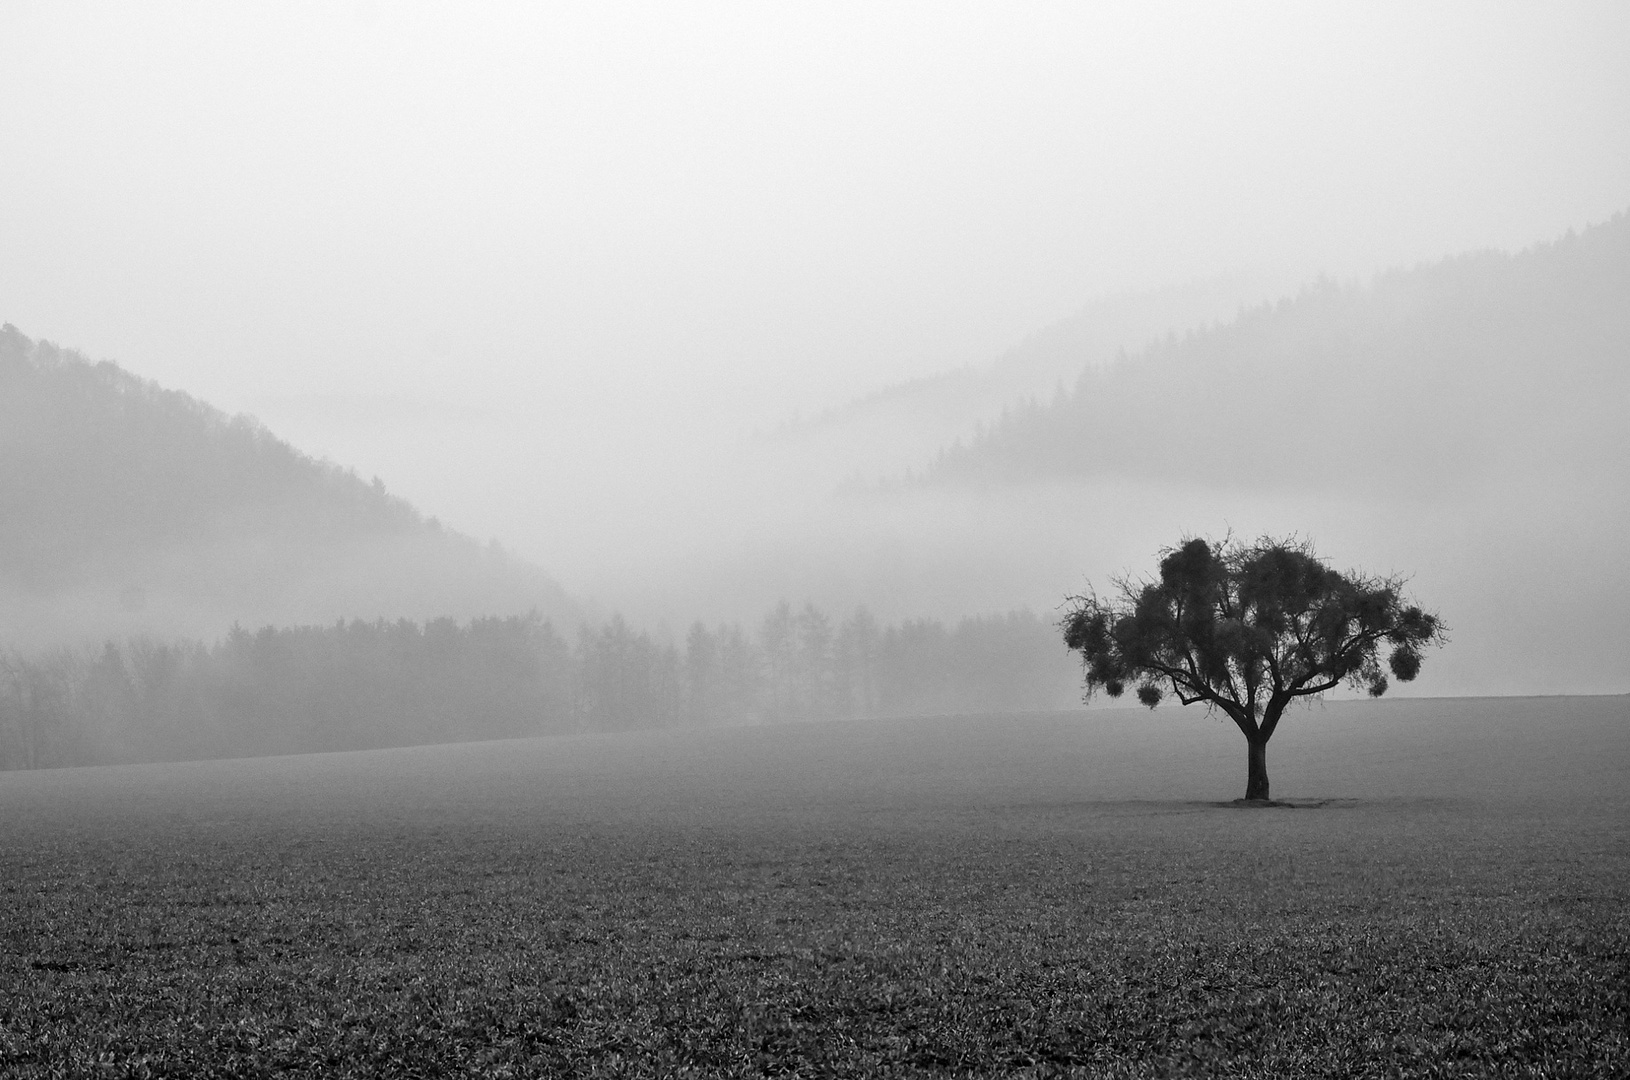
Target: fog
x=635 y=289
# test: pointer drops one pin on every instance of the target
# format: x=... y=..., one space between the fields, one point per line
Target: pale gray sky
x=540 y=265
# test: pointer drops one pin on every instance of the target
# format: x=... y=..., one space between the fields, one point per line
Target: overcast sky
x=524 y=261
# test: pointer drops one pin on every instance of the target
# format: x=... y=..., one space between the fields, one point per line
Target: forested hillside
x=1474 y=369
x=125 y=506
x=898 y=426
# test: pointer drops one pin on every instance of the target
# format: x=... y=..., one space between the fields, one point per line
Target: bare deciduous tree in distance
x=1247 y=629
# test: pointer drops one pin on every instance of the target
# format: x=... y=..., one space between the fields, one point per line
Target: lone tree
x=1248 y=629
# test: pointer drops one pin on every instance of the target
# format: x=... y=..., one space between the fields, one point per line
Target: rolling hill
x=899 y=426
x=1464 y=372
x=128 y=507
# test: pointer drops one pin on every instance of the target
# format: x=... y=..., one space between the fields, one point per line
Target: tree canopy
x=1247 y=629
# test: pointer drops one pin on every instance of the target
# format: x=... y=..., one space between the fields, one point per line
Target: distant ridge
x=125 y=506
x=900 y=425
x=1480 y=365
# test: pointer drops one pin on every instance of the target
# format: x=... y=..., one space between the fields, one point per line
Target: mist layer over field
x=1566 y=752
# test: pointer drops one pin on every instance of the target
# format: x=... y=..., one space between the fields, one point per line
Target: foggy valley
x=1412 y=417
x=610 y=540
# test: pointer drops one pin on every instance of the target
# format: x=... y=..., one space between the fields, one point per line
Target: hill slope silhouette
x=125 y=506
x=1472 y=369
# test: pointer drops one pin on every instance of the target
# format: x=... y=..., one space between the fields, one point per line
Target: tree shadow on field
x=1149 y=807
x=1143 y=808
x=1284 y=804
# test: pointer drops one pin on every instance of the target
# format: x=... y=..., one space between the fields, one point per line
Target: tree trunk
x=1256 y=776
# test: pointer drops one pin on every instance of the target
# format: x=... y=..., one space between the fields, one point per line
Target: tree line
x=361 y=685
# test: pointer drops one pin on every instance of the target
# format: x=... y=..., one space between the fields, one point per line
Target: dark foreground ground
x=1040 y=895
